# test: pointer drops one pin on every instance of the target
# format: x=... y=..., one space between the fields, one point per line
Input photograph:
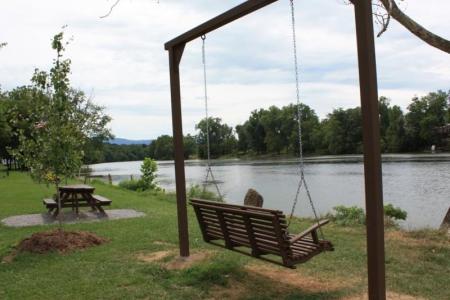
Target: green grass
x=417 y=263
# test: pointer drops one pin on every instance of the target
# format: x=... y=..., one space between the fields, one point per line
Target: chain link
x=299 y=122
x=208 y=148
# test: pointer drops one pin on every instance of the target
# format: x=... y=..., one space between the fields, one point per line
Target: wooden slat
x=251 y=237
x=225 y=232
x=241 y=207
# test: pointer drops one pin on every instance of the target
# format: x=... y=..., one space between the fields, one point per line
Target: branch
x=110 y=9
x=385 y=23
x=417 y=29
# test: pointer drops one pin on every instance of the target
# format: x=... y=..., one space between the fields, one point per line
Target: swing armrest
x=314 y=227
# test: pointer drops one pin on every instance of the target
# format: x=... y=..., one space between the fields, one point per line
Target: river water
x=419 y=184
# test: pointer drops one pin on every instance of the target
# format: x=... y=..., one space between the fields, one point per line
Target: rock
x=446 y=221
x=253 y=198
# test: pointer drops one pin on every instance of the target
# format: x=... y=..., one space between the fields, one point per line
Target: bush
x=349 y=215
x=392 y=214
x=355 y=215
x=147 y=180
x=148 y=170
x=133 y=185
x=196 y=191
x=395 y=213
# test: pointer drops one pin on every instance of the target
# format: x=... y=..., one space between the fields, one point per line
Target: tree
x=221 y=138
x=425 y=114
x=162 y=148
x=148 y=177
x=190 y=146
x=272 y=121
x=5 y=129
x=255 y=132
x=343 y=131
x=62 y=120
x=309 y=125
x=395 y=133
x=385 y=9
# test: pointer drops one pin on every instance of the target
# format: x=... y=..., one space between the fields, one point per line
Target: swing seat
x=262 y=230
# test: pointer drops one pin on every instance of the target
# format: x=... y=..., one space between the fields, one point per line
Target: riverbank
x=128 y=266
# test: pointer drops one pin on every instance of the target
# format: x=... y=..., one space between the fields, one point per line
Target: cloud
x=122 y=62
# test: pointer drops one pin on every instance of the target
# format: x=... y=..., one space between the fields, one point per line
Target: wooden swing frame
x=370 y=124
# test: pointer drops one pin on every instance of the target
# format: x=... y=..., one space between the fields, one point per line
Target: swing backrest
x=262 y=230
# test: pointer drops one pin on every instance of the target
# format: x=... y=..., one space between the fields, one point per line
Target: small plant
x=392 y=214
x=147 y=180
x=355 y=215
x=349 y=215
x=196 y=191
x=148 y=170
x=395 y=212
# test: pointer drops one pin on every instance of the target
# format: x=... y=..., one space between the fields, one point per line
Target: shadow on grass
x=225 y=278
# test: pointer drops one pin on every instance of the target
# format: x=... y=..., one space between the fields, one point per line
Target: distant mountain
x=121 y=141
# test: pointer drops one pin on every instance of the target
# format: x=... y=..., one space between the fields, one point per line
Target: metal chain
x=299 y=122
x=208 y=148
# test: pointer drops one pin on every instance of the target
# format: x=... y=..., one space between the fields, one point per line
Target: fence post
x=110 y=179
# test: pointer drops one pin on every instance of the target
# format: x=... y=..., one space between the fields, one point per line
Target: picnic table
x=76 y=196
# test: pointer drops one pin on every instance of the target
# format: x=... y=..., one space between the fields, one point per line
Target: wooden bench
x=100 y=201
x=262 y=230
x=103 y=201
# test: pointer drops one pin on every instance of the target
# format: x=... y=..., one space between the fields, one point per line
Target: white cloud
x=121 y=59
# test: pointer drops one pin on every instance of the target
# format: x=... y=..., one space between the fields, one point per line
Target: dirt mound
x=60 y=241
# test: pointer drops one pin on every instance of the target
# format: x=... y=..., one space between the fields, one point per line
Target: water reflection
x=419 y=187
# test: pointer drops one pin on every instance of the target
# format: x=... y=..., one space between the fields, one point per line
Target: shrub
x=196 y=191
x=392 y=214
x=349 y=215
x=148 y=170
x=395 y=213
x=355 y=215
x=133 y=185
x=147 y=180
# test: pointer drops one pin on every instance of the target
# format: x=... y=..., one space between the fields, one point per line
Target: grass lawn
x=417 y=263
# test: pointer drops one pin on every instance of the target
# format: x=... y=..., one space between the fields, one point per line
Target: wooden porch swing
x=274 y=220
x=264 y=231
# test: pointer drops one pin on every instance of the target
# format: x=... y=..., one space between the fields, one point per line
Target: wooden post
x=371 y=143
x=175 y=54
x=110 y=179
x=371 y=134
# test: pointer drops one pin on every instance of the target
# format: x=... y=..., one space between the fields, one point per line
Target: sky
x=121 y=63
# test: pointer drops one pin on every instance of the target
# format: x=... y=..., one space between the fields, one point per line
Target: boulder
x=253 y=198
x=446 y=221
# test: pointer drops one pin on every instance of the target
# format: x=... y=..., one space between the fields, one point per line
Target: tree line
x=274 y=131
x=271 y=131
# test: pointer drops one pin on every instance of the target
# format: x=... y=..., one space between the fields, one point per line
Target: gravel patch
x=70 y=217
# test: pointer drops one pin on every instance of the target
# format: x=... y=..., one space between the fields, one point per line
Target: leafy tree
x=272 y=121
x=221 y=137
x=162 y=148
x=255 y=132
x=243 y=138
x=61 y=120
x=309 y=124
x=190 y=146
x=148 y=177
x=343 y=131
x=5 y=129
x=425 y=114
x=395 y=132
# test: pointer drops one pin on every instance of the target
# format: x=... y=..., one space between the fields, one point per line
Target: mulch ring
x=59 y=241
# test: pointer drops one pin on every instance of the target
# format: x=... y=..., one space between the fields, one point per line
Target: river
x=419 y=184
